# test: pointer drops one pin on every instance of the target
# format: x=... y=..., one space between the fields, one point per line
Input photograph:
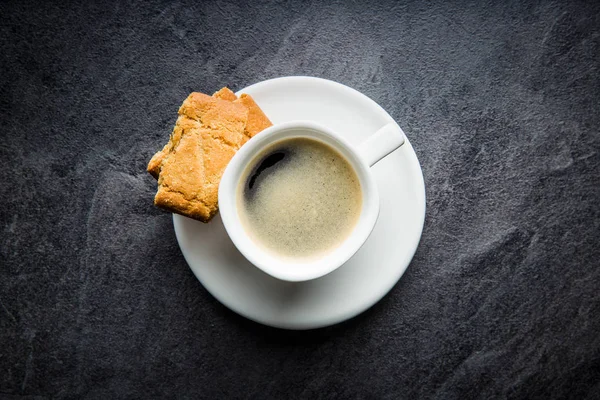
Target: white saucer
x=367 y=276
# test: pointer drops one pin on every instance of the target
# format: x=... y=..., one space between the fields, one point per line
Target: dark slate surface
x=499 y=99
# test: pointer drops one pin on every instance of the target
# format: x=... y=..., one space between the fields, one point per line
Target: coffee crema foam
x=299 y=198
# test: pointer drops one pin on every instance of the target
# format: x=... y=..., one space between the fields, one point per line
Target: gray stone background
x=500 y=101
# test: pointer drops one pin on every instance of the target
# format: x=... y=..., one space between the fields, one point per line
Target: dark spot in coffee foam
x=268 y=164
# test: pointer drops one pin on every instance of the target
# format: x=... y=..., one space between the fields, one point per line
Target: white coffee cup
x=361 y=158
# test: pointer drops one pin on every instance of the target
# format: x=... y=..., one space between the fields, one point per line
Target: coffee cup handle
x=381 y=143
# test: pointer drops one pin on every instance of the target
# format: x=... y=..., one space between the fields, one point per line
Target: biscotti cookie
x=156 y=161
x=225 y=94
x=257 y=120
x=207 y=134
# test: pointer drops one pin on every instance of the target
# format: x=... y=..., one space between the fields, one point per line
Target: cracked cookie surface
x=208 y=132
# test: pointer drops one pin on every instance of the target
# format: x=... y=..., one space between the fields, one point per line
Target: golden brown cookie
x=257 y=120
x=156 y=161
x=207 y=134
x=225 y=94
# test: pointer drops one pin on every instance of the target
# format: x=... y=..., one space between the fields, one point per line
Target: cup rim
x=281 y=268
